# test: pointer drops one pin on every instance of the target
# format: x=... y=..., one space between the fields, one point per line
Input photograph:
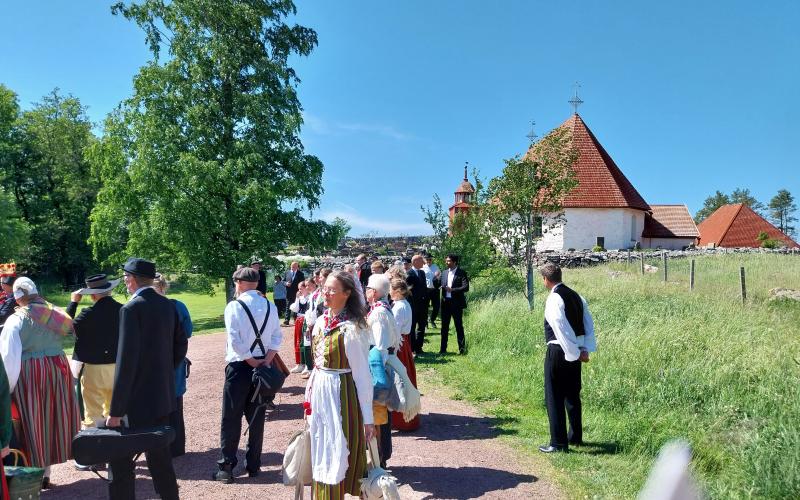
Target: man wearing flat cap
x=151 y=345
x=246 y=349
x=262 y=277
x=96 y=336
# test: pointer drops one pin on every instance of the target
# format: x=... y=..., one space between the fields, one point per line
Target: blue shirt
x=186 y=324
x=279 y=290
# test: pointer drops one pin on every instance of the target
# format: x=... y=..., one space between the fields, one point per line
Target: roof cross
x=576 y=101
x=466 y=165
x=532 y=134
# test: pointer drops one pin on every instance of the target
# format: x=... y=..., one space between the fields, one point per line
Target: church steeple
x=463 y=195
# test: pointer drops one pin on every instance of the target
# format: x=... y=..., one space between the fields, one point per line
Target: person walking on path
x=151 y=345
x=569 y=334
x=294 y=276
x=178 y=447
x=455 y=284
x=246 y=349
x=96 y=341
x=339 y=392
x=433 y=281
x=32 y=348
x=279 y=296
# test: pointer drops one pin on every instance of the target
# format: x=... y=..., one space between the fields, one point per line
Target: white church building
x=605 y=210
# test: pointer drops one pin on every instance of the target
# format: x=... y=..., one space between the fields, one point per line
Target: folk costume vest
x=573 y=309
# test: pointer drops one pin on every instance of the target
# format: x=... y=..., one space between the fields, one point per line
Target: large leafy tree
x=742 y=195
x=527 y=198
x=782 y=209
x=203 y=167
x=44 y=168
x=710 y=205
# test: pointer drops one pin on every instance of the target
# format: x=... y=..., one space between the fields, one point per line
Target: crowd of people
x=129 y=365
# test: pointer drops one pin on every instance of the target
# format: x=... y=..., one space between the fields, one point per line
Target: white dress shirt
x=430 y=274
x=240 y=331
x=451 y=273
x=572 y=345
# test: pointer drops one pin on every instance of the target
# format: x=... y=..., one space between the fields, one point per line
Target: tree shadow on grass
x=596 y=448
x=444 y=427
x=459 y=482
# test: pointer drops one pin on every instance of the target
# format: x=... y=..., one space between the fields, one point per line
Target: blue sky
x=687 y=97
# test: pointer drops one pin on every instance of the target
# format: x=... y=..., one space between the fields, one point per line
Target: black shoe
x=576 y=442
x=462 y=351
x=442 y=351
x=46 y=483
x=252 y=473
x=552 y=449
x=224 y=474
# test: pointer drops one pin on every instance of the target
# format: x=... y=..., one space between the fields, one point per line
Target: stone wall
x=587 y=258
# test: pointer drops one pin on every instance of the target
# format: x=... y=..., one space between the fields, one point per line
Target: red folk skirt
x=299 y=321
x=406 y=357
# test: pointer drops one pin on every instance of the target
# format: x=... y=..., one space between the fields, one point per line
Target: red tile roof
x=601 y=184
x=738 y=225
x=669 y=221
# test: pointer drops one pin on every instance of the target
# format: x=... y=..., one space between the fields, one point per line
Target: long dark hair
x=355 y=307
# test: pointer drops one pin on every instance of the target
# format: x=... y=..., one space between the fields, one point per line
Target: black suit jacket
x=419 y=286
x=7 y=309
x=291 y=290
x=460 y=287
x=151 y=345
x=262 y=282
x=364 y=272
x=96 y=331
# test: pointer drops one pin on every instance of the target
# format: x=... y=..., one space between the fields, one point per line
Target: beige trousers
x=97 y=384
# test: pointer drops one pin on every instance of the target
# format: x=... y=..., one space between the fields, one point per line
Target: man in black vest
x=569 y=334
x=96 y=339
x=151 y=345
x=455 y=284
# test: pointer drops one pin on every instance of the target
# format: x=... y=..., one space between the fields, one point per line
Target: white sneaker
x=298 y=369
x=306 y=372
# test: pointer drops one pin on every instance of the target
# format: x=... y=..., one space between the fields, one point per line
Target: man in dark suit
x=454 y=285
x=96 y=342
x=294 y=276
x=9 y=305
x=415 y=278
x=151 y=345
x=363 y=270
x=262 y=277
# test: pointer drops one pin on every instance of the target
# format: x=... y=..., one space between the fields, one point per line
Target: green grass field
x=670 y=364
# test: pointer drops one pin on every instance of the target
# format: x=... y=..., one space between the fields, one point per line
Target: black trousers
x=562 y=395
x=178 y=447
x=419 y=320
x=159 y=462
x=449 y=310
x=385 y=440
x=434 y=298
x=236 y=395
x=281 y=305
x=290 y=300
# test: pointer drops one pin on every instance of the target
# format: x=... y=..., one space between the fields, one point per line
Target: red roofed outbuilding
x=737 y=225
x=670 y=227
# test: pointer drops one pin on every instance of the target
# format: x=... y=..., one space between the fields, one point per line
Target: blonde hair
x=161 y=283
x=377 y=264
x=400 y=286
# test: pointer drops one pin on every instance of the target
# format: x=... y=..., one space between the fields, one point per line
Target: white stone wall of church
x=584 y=225
x=667 y=243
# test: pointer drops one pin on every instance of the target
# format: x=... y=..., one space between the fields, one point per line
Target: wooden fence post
x=629 y=257
x=641 y=261
x=664 y=262
x=691 y=275
x=743 y=285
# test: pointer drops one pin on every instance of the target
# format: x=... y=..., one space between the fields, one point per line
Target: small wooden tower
x=463 y=196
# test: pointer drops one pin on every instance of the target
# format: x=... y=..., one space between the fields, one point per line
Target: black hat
x=246 y=274
x=140 y=267
x=99 y=283
x=407 y=260
x=8 y=280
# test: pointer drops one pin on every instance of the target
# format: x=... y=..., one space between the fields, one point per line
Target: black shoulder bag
x=267 y=380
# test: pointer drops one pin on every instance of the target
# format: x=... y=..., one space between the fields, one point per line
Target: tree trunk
x=229 y=289
x=529 y=260
x=530 y=285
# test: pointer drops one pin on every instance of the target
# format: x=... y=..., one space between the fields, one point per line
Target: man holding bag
x=247 y=349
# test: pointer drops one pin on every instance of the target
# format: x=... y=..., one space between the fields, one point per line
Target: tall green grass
x=670 y=364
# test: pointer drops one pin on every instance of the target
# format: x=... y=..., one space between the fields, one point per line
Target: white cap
x=23 y=287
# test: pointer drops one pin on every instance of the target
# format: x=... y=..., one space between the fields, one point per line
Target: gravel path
x=454 y=454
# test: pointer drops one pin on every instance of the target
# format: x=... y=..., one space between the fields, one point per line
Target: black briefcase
x=105 y=444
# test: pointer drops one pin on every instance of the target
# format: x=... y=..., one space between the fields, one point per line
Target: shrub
x=597 y=248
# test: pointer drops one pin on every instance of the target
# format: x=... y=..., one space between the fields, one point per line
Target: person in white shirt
x=569 y=334
x=433 y=280
x=401 y=310
x=245 y=351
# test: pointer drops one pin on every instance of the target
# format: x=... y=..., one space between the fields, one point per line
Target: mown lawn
x=671 y=364
x=206 y=310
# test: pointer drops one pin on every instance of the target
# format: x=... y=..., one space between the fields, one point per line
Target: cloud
x=325 y=127
x=361 y=224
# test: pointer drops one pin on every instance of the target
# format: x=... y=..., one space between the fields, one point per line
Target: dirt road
x=454 y=454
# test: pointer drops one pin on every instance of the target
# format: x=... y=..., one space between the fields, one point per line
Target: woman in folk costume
x=386 y=339
x=402 y=315
x=31 y=346
x=299 y=308
x=339 y=392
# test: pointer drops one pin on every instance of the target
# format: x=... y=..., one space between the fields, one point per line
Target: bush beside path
x=456 y=453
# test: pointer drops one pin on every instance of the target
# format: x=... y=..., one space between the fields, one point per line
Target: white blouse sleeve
x=380 y=325
x=402 y=317
x=11 y=349
x=356 y=351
